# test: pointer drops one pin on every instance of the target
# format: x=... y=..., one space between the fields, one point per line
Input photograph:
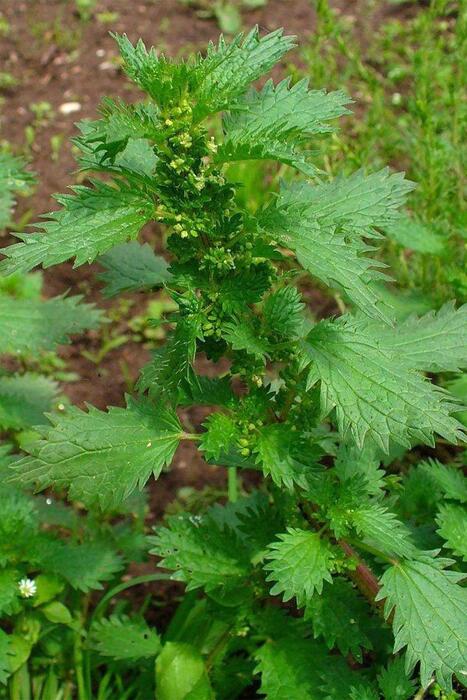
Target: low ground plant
x=338 y=574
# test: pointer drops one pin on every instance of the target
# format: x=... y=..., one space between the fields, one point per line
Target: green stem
x=232 y=484
x=20 y=686
x=79 y=666
x=147 y=578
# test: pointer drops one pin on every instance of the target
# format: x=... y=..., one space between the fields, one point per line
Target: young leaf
x=452 y=527
x=90 y=222
x=339 y=615
x=123 y=638
x=283 y=313
x=229 y=69
x=363 y=463
x=273 y=122
x=30 y=325
x=24 y=399
x=299 y=563
x=393 y=681
x=132 y=267
x=279 y=456
x=102 y=457
x=429 y=617
x=377 y=396
x=221 y=433
x=381 y=528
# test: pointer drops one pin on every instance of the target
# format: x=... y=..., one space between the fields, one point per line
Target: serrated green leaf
x=352 y=462
x=339 y=615
x=229 y=69
x=283 y=313
x=377 y=396
x=299 y=563
x=393 y=681
x=172 y=364
x=452 y=527
x=90 y=222
x=273 y=122
x=207 y=391
x=123 y=638
x=436 y=342
x=412 y=234
x=381 y=528
x=450 y=480
x=24 y=399
x=102 y=457
x=242 y=335
x=29 y=326
x=202 y=552
x=132 y=267
x=429 y=617
x=278 y=454
x=84 y=566
x=221 y=433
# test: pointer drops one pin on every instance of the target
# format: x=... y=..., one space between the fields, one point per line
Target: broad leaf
x=123 y=638
x=131 y=267
x=412 y=234
x=181 y=674
x=90 y=222
x=450 y=480
x=5 y=653
x=24 y=399
x=429 y=617
x=377 y=396
x=436 y=342
x=273 y=122
x=102 y=457
x=85 y=566
x=339 y=615
x=202 y=552
x=9 y=591
x=30 y=325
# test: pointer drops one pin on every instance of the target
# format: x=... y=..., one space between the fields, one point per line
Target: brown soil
x=58 y=58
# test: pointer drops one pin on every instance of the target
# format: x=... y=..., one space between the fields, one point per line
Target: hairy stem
x=362 y=575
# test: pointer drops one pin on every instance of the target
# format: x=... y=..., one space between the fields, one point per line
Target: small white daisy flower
x=27 y=588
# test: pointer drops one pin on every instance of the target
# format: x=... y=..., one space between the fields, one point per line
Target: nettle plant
x=315 y=407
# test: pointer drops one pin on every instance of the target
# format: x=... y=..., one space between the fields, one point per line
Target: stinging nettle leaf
x=299 y=563
x=102 y=457
x=124 y=638
x=377 y=396
x=24 y=399
x=452 y=527
x=132 y=267
x=429 y=617
x=273 y=122
x=436 y=342
x=90 y=222
x=30 y=325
